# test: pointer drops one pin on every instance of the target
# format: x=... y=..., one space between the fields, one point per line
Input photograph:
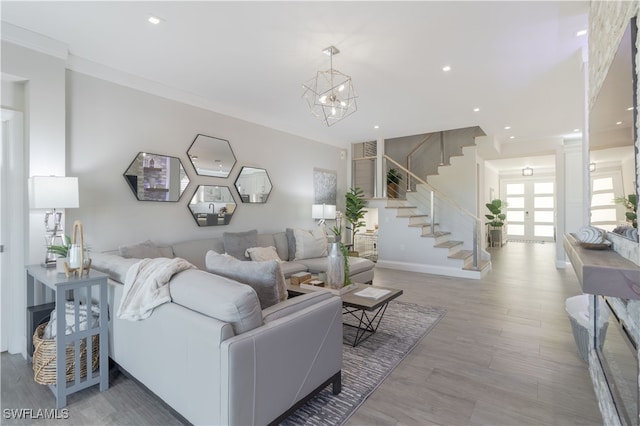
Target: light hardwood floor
x=503 y=355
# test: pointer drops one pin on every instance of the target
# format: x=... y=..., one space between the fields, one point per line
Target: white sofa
x=214 y=356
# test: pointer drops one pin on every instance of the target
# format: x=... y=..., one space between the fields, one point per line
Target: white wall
x=458 y=181
x=41 y=96
x=109 y=124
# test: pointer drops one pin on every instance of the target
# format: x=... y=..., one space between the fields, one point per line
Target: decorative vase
x=335 y=267
x=75 y=256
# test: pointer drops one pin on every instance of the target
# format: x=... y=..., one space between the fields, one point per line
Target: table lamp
x=51 y=193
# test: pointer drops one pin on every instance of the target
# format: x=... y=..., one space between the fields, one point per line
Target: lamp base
x=48 y=264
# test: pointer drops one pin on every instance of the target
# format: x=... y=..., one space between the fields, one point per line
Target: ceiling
x=519 y=62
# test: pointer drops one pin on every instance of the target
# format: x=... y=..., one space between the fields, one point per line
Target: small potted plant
x=496 y=221
x=62 y=251
x=222 y=212
x=631 y=204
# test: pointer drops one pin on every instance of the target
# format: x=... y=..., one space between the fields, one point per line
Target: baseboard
x=429 y=269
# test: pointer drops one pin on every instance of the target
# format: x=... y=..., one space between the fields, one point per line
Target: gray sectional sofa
x=213 y=354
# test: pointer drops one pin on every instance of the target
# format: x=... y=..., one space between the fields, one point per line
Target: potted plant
x=496 y=220
x=393 y=183
x=354 y=212
x=631 y=204
x=62 y=251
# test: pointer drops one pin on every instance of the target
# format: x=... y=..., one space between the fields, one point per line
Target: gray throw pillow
x=266 y=278
x=237 y=243
x=291 y=241
x=146 y=250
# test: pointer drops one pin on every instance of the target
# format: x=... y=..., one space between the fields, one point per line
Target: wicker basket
x=44 y=357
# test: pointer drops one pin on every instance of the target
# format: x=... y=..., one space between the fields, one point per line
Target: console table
x=63 y=289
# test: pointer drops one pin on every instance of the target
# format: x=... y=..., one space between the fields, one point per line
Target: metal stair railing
x=410 y=185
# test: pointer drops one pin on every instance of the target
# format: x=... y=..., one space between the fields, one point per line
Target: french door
x=530 y=209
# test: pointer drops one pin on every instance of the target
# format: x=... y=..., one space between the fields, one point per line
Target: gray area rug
x=366 y=366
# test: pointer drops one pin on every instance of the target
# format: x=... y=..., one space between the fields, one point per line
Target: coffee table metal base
x=368 y=322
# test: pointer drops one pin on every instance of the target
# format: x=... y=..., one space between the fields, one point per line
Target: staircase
x=425 y=227
x=444 y=251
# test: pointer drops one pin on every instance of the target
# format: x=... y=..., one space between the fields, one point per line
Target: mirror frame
x=204 y=139
x=213 y=218
x=247 y=198
x=140 y=157
x=602 y=96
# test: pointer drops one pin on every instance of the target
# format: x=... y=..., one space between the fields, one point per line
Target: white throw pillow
x=310 y=244
x=261 y=254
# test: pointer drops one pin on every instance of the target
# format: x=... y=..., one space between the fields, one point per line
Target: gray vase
x=335 y=267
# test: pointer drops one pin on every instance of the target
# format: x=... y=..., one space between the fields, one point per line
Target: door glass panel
x=543 y=216
x=515 y=202
x=515 y=216
x=543 y=188
x=603 y=215
x=602 y=199
x=543 y=202
x=602 y=184
x=515 y=188
x=543 y=230
x=513 y=229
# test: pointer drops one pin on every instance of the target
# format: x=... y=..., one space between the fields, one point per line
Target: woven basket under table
x=44 y=357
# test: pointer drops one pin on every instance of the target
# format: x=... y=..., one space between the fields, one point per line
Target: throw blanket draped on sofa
x=146 y=286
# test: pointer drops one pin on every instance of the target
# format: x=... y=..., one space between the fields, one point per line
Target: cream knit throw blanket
x=146 y=286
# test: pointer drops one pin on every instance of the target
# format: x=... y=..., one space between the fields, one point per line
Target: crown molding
x=34 y=41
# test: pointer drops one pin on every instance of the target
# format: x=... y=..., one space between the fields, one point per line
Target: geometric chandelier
x=330 y=94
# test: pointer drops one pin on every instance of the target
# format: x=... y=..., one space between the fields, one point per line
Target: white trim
x=13 y=297
x=34 y=41
x=431 y=269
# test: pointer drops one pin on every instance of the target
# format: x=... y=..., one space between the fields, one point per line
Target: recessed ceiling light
x=618 y=122
x=512 y=137
x=154 y=20
x=476 y=109
x=576 y=130
x=630 y=109
x=446 y=68
x=376 y=127
x=581 y=33
x=507 y=127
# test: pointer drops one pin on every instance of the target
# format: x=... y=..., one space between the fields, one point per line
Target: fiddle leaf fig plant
x=496 y=218
x=354 y=211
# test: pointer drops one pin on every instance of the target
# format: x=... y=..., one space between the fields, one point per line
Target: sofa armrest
x=268 y=369
x=293 y=305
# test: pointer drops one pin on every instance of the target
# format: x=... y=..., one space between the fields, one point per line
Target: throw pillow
x=266 y=278
x=310 y=244
x=146 y=250
x=291 y=243
x=237 y=243
x=261 y=254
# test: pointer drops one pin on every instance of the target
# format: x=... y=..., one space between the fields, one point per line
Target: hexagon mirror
x=253 y=185
x=212 y=205
x=211 y=156
x=154 y=177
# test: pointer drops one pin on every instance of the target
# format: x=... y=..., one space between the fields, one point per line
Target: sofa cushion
x=146 y=249
x=289 y=268
x=218 y=297
x=282 y=246
x=320 y=264
x=266 y=278
x=195 y=250
x=310 y=244
x=237 y=243
x=261 y=254
x=113 y=265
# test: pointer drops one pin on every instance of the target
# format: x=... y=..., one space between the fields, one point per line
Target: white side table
x=62 y=287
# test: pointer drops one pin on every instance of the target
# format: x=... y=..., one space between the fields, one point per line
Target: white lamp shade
x=53 y=192
x=323 y=211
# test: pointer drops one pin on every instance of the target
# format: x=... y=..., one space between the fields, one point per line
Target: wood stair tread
x=482 y=264
x=462 y=254
x=448 y=244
